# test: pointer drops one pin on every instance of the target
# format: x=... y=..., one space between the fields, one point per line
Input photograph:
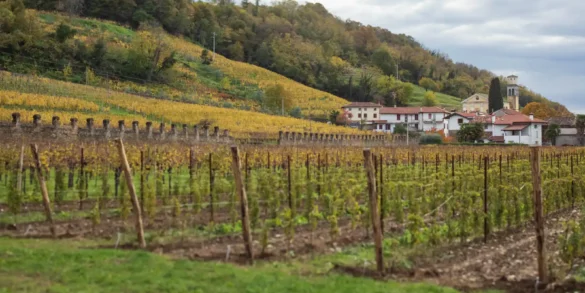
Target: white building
x=454 y=121
x=509 y=126
x=362 y=113
x=417 y=118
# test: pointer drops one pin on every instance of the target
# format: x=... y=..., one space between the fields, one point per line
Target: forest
x=306 y=43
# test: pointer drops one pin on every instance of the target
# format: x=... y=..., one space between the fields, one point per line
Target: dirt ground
x=506 y=262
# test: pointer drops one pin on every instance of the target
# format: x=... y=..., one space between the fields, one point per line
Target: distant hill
x=304 y=43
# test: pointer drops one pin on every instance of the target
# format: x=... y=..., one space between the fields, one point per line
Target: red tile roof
x=362 y=104
x=411 y=110
x=509 y=119
x=515 y=127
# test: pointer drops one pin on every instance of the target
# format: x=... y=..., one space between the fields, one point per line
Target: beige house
x=479 y=102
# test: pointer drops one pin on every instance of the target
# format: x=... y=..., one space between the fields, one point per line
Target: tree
x=394 y=91
x=428 y=84
x=580 y=125
x=276 y=100
x=552 y=132
x=495 y=100
x=400 y=129
x=333 y=116
x=540 y=110
x=64 y=32
x=343 y=118
x=296 y=112
x=383 y=60
x=205 y=58
x=470 y=132
x=236 y=51
x=429 y=100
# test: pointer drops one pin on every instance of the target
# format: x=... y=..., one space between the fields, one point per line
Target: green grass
x=443 y=99
x=62 y=266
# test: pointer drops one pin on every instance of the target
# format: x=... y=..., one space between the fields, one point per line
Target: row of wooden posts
x=372 y=195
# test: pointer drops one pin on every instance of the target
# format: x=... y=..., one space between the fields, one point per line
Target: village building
x=479 y=102
x=362 y=114
x=417 y=118
x=454 y=121
x=509 y=126
x=568 y=135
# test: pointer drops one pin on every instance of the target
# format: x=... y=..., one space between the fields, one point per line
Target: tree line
x=303 y=42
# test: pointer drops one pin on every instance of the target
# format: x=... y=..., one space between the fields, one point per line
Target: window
x=359 y=115
x=366 y=116
x=387 y=126
x=460 y=120
x=486 y=126
x=415 y=116
x=360 y=109
x=375 y=109
x=430 y=116
x=535 y=126
x=398 y=117
x=476 y=98
x=375 y=115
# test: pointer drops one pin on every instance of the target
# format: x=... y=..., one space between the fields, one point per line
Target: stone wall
x=72 y=130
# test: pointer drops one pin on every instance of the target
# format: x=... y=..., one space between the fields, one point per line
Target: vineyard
x=301 y=201
x=31 y=95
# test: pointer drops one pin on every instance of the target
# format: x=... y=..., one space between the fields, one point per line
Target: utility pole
x=407 y=129
x=213 y=56
x=397 y=76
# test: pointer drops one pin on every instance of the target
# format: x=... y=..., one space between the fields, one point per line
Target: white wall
x=369 y=111
x=532 y=135
x=453 y=124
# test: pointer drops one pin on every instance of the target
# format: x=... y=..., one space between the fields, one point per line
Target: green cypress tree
x=495 y=100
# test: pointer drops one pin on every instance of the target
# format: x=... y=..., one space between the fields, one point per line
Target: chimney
x=531 y=116
x=493 y=119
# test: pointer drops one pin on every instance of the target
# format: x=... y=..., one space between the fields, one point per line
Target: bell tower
x=513 y=92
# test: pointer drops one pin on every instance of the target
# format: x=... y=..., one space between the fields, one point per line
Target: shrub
x=430 y=139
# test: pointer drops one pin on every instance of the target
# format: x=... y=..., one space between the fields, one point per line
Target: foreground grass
x=62 y=266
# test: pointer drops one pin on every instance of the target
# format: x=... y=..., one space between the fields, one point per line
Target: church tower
x=513 y=92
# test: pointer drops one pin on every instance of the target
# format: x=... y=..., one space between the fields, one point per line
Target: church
x=478 y=103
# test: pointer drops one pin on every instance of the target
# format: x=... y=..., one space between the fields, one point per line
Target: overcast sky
x=541 y=41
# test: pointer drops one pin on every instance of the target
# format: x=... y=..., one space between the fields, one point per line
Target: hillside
x=30 y=95
x=305 y=43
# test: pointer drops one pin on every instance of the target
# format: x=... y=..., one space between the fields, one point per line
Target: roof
x=516 y=127
x=411 y=110
x=463 y=114
x=562 y=121
x=362 y=104
x=507 y=112
x=513 y=117
x=497 y=139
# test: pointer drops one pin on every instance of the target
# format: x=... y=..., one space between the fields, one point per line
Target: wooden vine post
x=289 y=185
x=20 y=169
x=44 y=191
x=132 y=191
x=538 y=216
x=236 y=166
x=374 y=209
x=486 y=227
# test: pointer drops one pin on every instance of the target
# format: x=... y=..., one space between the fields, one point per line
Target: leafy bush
x=431 y=139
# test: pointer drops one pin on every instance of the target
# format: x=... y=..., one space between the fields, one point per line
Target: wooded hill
x=303 y=42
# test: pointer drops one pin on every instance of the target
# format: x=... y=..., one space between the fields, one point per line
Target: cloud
x=541 y=40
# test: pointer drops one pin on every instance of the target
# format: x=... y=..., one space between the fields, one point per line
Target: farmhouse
x=509 y=126
x=362 y=114
x=417 y=118
x=454 y=121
